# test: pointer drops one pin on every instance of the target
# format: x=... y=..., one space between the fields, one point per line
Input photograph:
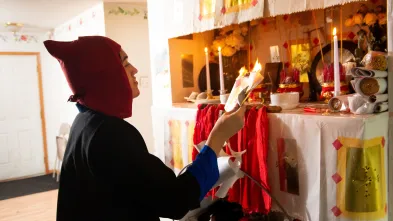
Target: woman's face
x=131 y=72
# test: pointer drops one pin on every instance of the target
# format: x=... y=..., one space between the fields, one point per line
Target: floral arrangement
x=376 y=21
x=301 y=63
x=231 y=39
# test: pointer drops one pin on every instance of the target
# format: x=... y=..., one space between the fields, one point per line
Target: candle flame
x=205 y=49
x=334 y=31
x=219 y=49
x=257 y=67
x=243 y=71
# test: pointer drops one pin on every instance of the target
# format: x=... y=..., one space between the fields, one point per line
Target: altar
x=323 y=148
x=323 y=166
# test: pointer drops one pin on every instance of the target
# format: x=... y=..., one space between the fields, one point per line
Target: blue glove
x=205 y=170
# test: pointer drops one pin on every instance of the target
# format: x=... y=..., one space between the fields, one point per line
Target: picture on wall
x=187 y=67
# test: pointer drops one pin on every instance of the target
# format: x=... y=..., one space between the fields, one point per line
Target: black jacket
x=108 y=174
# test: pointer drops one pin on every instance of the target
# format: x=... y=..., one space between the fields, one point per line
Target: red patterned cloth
x=254 y=139
x=262 y=140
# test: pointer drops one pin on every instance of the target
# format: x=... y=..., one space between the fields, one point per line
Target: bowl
x=286 y=101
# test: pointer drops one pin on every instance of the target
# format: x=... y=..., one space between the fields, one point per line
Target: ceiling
x=45 y=14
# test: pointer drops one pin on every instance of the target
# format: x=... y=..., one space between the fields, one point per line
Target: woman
x=107 y=172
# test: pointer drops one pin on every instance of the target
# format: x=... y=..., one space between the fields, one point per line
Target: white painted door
x=21 y=145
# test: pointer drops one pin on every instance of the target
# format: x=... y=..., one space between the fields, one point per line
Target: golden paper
x=207 y=8
x=190 y=138
x=361 y=195
x=175 y=132
x=237 y=5
x=363 y=184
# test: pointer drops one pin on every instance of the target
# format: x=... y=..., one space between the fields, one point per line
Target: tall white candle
x=336 y=65
x=208 y=90
x=222 y=84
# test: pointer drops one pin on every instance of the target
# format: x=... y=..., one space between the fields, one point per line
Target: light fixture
x=14 y=26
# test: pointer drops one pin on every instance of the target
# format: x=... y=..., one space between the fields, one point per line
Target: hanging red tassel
x=286 y=17
x=287 y=64
x=264 y=22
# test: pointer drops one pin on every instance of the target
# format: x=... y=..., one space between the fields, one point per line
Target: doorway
x=23 y=146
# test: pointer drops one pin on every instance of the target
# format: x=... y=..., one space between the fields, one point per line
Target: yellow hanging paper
x=362 y=192
x=237 y=5
x=207 y=8
x=175 y=131
x=190 y=138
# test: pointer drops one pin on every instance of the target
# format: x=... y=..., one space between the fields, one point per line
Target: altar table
x=321 y=167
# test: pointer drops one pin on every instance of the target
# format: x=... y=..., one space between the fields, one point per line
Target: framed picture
x=272 y=75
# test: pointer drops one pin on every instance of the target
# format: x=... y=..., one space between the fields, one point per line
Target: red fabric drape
x=254 y=139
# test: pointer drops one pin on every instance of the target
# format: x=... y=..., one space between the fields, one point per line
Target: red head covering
x=95 y=74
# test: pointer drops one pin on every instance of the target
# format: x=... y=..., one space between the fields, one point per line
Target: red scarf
x=254 y=139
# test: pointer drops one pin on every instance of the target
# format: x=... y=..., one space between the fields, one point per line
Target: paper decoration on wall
x=360 y=178
x=285 y=45
x=351 y=35
x=3 y=38
x=207 y=8
x=23 y=38
x=122 y=11
x=235 y=5
x=190 y=125
x=177 y=133
x=301 y=59
x=288 y=165
x=274 y=54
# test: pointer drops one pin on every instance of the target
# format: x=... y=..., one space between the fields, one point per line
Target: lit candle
x=336 y=65
x=208 y=89
x=222 y=85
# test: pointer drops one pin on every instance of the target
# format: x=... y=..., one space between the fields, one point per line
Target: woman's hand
x=226 y=126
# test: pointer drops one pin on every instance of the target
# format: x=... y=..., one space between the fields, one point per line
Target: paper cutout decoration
x=288 y=165
x=361 y=194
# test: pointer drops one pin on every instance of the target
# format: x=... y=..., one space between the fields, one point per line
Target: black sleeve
x=145 y=181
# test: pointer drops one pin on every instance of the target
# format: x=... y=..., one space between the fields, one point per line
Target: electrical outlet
x=144 y=81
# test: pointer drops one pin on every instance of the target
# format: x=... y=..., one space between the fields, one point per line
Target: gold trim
x=289 y=85
x=41 y=98
x=331 y=84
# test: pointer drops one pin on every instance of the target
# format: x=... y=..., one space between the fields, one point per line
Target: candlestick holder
x=223 y=96
x=209 y=94
x=222 y=92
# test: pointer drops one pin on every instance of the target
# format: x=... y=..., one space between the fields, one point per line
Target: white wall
x=131 y=32
x=56 y=89
x=8 y=43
